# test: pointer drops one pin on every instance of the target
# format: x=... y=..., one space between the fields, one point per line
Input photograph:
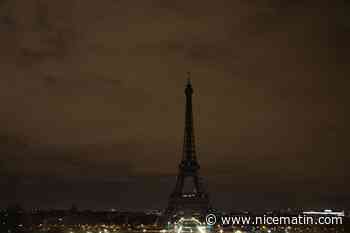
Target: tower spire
x=189 y=78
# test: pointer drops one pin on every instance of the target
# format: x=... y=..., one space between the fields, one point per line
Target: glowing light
x=326 y=212
x=201 y=229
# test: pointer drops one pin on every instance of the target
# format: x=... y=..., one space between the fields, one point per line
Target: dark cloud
x=92 y=95
x=92 y=81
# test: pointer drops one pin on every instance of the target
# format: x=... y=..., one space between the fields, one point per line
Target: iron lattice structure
x=196 y=201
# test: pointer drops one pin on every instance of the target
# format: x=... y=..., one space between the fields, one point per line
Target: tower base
x=188 y=205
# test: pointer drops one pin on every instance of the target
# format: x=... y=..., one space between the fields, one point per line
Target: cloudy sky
x=92 y=101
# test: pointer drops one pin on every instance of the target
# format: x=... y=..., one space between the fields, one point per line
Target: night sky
x=92 y=101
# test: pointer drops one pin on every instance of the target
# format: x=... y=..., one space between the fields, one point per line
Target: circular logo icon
x=210 y=219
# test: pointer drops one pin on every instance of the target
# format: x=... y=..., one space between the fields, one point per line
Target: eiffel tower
x=195 y=200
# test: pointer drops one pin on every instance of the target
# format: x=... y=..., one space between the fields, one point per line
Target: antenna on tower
x=188 y=78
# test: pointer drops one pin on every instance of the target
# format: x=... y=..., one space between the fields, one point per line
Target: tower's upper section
x=189 y=160
x=189 y=89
